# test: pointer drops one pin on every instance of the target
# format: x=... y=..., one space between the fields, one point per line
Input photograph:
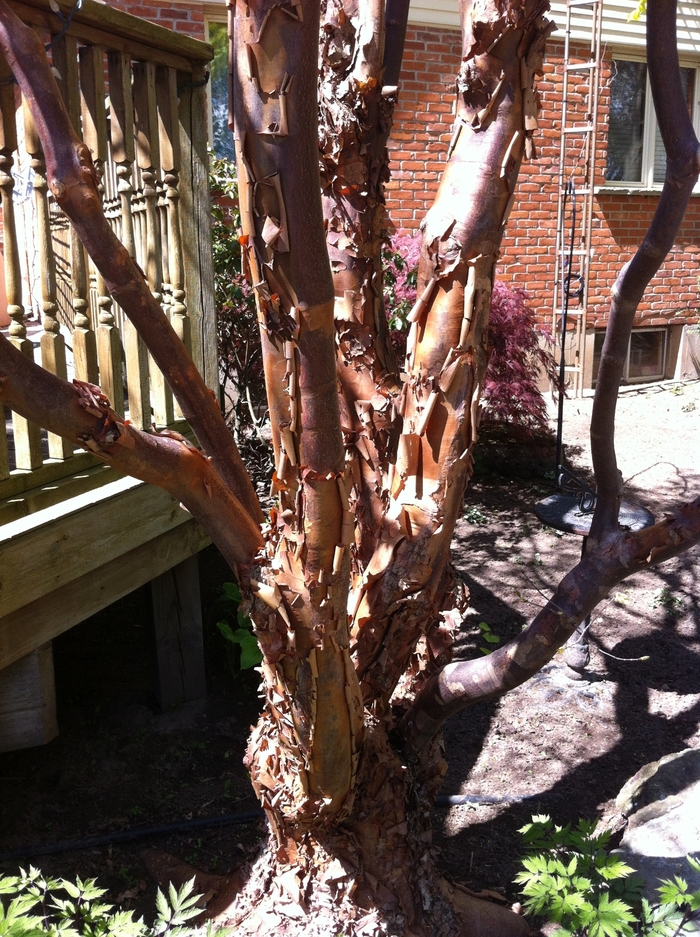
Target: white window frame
x=649 y=138
x=646 y=378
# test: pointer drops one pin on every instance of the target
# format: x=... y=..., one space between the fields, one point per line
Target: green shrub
x=570 y=878
x=31 y=904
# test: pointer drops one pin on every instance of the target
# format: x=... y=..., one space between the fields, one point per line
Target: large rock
x=658 y=780
x=662 y=803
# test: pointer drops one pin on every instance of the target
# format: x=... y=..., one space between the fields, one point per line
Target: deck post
x=177 y=625
x=28 y=701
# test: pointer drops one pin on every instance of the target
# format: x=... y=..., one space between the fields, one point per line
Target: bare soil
x=118 y=764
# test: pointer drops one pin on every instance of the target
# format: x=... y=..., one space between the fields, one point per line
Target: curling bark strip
x=313 y=719
x=82 y=414
x=621 y=554
x=73 y=182
x=682 y=166
x=447 y=352
x=359 y=65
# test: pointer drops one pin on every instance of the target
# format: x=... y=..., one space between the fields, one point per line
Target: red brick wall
x=184 y=18
x=419 y=142
x=422 y=122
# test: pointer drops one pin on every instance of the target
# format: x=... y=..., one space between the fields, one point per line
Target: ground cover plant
x=570 y=877
x=349 y=573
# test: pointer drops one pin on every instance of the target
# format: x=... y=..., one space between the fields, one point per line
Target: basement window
x=646 y=356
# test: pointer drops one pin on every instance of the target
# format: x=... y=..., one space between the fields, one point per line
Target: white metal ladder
x=577 y=156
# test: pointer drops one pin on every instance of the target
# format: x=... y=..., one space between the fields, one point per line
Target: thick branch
x=311 y=685
x=82 y=414
x=73 y=183
x=447 y=346
x=356 y=105
x=682 y=168
x=462 y=684
x=396 y=21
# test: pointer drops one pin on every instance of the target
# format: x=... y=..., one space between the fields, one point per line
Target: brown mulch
x=119 y=764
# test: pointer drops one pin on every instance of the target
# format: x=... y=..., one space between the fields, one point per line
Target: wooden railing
x=136 y=95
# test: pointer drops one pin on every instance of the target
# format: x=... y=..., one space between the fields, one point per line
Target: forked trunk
x=346 y=774
x=350 y=841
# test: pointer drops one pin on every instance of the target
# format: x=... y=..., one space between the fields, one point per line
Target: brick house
x=629 y=164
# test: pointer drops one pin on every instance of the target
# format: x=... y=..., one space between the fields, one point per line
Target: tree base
x=370 y=874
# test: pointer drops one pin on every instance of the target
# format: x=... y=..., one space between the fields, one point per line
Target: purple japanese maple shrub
x=511 y=396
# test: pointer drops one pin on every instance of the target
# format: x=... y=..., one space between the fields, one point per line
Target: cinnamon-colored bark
x=612 y=553
x=356 y=105
x=405 y=584
x=80 y=413
x=313 y=718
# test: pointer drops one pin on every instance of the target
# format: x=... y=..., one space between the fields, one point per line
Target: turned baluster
x=27 y=439
x=109 y=346
x=121 y=124
x=53 y=346
x=170 y=161
x=65 y=59
x=147 y=156
x=169 y=133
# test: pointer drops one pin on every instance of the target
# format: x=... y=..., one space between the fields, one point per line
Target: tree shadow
x=656 y=669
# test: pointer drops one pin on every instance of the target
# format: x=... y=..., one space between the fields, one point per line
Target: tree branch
x=612 y=553
x=80 y=413
x=309 y=679
x=73 y=182
x=461 y=684
x=396 y=21
x=682 y=168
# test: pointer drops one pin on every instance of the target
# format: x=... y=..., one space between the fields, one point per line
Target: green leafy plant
x=476 y=516
x=31 y=904
x=569 y=877
x=489 y=637
x=242 y=638
x=665 y=599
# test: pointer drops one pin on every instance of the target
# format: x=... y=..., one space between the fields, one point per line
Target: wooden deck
x=74 y=534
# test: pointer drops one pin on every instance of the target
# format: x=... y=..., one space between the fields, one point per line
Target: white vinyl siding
x=434 y=13
x=617 y=32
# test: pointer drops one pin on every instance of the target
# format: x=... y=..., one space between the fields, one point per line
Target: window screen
x=626 y=122
x=688 y=81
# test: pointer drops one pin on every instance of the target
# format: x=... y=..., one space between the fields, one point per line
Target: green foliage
x=489 y=637
x=569 y=877
x=476 y=516
x=665 y=599
x=31 y=904
x=638 y=12
x=247 y=653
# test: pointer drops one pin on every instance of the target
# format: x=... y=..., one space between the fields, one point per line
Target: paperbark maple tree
x=351 y=568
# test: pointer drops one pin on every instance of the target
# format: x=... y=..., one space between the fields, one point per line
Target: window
x=221 y=137
x=646 y=355
x=636 y=153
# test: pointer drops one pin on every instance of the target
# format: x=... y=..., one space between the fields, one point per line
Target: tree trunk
x=349 y=819
x=346 y=772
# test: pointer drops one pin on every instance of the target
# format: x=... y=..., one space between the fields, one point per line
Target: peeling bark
x=368 y=490
x=404 y=585
x=356 y=105
x=303 y=753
